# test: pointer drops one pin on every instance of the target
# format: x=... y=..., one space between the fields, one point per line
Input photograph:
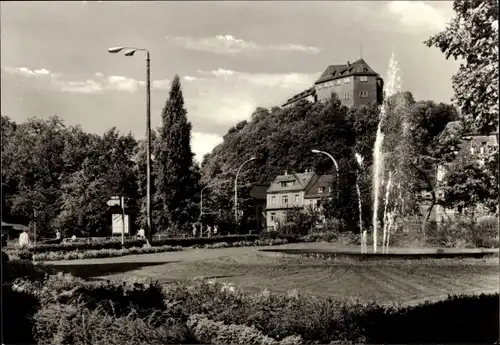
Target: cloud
x=230 y=45
x=417 y=15
x=98 y=84
x=203 y=143
x=190 y=78
x=282 y=80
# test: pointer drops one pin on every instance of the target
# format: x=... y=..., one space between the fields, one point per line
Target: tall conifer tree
x=176 y=180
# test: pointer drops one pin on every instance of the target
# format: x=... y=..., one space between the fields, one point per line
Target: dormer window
x=283 y=184
x=321 y=189
x=363 y=78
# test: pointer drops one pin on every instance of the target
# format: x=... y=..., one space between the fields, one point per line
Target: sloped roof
x=18 y=227
x=359 y=67
x=479 y=140
x=302 y=180
x=324 y=181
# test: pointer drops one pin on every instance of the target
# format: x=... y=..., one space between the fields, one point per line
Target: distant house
x=295 y=190
x=355 y=83
x=472 y=145
x=12 y=231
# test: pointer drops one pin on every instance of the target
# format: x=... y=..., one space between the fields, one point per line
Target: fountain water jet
x=393 y=85
x=386 y=215
x=359 y=158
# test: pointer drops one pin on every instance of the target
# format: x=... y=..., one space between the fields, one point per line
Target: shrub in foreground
x=207 y=331
x=58 y=324
x=274 y=316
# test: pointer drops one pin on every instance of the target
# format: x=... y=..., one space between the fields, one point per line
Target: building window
x=363 y=94
x=283 y=184
x=285 y=199
x=347 y=80
x=321 y=189
x=273 y=216
x=296 y=198
x=481 y=150
x=273 y=200
x=363 y=78
x=329 y=189
x=337 y=82
x=471 y=150
x=347 y=95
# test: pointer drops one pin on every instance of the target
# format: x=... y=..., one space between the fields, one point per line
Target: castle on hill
x=355 y=84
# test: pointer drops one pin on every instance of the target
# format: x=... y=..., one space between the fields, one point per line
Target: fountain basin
x=394 y=253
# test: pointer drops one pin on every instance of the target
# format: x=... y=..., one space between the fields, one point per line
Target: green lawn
x=408 y=282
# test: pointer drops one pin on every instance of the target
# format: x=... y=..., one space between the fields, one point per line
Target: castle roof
x=359 y=67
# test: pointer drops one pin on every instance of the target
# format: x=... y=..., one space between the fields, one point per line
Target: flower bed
x=76 y=254
x=131 y=243
x=102 y=253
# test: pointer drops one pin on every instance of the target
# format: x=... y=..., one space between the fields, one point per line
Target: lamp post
x=331 y=157
x=236 y=189
x=130 y=52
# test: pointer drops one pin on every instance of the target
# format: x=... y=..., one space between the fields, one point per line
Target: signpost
x=119 y=201
x=122 y=202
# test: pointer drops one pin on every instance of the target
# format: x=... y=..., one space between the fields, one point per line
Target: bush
x=466 y=232
x=18 y=309
x=207 y=331
x=58 y=324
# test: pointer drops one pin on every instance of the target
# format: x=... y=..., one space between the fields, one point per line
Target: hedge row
x=130 y=243
x=108 y=253
x=78 y=311
x=102 y=253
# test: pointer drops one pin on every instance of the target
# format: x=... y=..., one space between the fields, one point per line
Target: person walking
x=194 y=229
x=24 y=239
x=216 y=230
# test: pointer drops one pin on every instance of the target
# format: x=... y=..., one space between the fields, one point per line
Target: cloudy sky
x=231 y=56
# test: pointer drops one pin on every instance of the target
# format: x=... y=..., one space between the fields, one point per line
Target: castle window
x=296 y=198
x=273 y=215
x=347 y=80
x=363 y=78
x=285 y=199
x=273 y=200
x=363 y=94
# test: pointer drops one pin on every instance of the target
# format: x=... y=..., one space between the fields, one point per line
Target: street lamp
x=236 y=188
x=130 y=52
x=331 y=157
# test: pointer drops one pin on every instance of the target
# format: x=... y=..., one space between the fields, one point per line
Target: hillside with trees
x=282 y=139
